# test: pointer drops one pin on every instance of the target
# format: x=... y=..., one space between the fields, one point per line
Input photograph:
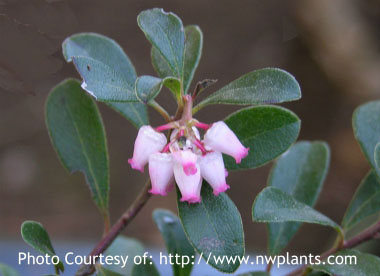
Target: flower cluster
x=186 y=158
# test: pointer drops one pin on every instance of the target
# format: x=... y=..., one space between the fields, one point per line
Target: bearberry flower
x=148 y=141
x=221 y=138
x=161 y=173
x=186 y=158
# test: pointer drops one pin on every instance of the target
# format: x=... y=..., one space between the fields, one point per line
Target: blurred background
x=331 y=47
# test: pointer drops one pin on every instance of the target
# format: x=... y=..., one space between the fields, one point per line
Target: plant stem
x=160 y=110
x=116 y=229
x=198 y=107
x=187 y=110
x=107 y=223
x=269 y=267
x=364 y=236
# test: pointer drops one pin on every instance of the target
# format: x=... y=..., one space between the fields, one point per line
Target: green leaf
x=148 y=269
x=34 y=234
x=255 y=273
x=103 y=82
x=365 y=264
x=77 y=134
x=136 y=113
x=123 y=246
x=267 y=130
x=7 y=270
x=366 y=125
x=273 y=205
x=264 y=86
x=147 y=87
x=193 y=53
x=102 y=49
x=214 y=228
x=109 y=53
x=101 y=271
x=175 y=239
x=299 y=172
x=365 y=202
x=166 y=33
x=159 y=64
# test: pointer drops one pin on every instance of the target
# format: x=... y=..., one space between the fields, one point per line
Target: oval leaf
x=103 y=82
x=214 y=228
x=267 y=130
x=160 y=65
x=147 y=87
x=365 y=264
x=7 y=270
x=126 y=247
x=108 y=52
x=77 y=134
x=165 y=32
x=193 y=52
x=273 y=205
x=34 y=234
x=366 y=127
x=264 y=86
x=365 y=202
x=300 y=172
x=102 y=49
x=175 y=239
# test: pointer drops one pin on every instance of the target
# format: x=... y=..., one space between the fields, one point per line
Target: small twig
x=366 y=235
x=119 y=226
x=107 y=223
x=269 y=267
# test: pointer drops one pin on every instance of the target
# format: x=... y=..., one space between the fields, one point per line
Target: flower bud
x=161 y=173
x=213 y=171
x=148 y=141
x=189 y=185
x=187 y=159
x=221 y=138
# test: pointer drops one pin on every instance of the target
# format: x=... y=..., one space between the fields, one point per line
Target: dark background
x=331 y=47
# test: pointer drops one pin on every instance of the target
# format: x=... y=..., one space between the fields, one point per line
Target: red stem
x=116 y=229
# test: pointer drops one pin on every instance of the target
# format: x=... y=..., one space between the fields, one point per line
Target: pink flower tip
x=191 y=199
x=243 y=154
x=158 y=192
x=190 y=168
x=221 y=189
x=135 y=166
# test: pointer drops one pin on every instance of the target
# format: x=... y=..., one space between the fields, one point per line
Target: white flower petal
x=221 y=138
x=148 y=141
